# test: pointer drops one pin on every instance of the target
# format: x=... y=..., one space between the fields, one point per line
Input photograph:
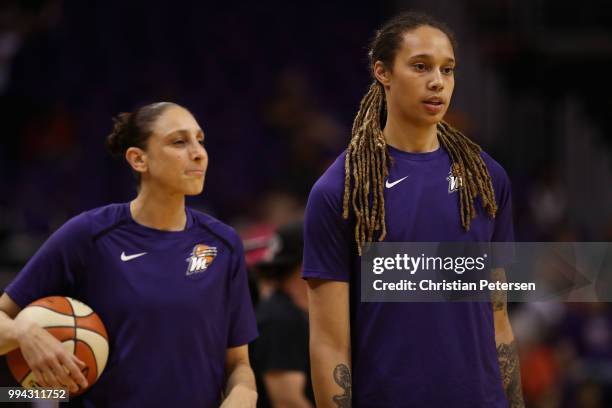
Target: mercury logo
x=454 y=182
x=202 y=256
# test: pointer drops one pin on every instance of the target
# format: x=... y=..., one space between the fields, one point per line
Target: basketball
x=74 y=324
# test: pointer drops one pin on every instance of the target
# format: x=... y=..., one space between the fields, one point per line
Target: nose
x=436 y=83
x=197 y=152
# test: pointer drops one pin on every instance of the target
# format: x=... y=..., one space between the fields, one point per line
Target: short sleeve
x=56 y=266
x=327 y=245
x=242 y=323
x=282 y=345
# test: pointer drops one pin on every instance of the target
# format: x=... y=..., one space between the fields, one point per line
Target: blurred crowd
x=275 y=86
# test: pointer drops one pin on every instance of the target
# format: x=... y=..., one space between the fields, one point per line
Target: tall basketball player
x=407 y=176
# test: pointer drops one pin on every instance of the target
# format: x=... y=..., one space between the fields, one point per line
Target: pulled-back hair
x=133 y=129
x=367 y=157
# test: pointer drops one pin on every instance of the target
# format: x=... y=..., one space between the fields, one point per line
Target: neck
x=159 y=210
x=408 y=137
x=295 y=288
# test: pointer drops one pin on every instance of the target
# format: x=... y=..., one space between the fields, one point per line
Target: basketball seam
x=93 y=331
x=93 y=353
x=53 y=310
x=61 y=327
x=75 y=326
x=71 y=327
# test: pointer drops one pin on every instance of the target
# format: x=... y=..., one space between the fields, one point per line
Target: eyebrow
x=429 y=56
x=184 y=132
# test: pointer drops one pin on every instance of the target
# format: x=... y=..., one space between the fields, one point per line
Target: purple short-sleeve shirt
x=412 y=354
x=172 y=302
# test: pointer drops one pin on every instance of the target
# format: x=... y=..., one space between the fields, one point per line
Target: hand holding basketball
x=62 y=342
x=51 y=364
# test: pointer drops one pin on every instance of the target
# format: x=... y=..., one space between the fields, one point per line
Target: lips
x=434 y=100
x=434 y=104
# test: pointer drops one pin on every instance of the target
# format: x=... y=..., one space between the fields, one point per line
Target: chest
x=128 y=278
x=422 y=203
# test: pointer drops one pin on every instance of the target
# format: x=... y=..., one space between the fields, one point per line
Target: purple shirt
x=412 y=354
x=170 y=313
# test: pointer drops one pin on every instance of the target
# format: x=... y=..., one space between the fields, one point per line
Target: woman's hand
x=240 y=397
x=52 y=365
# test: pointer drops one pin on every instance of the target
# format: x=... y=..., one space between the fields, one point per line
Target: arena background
x=275 y=86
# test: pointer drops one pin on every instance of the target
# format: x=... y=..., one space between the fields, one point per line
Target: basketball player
x=403 y=178
x=169 y=283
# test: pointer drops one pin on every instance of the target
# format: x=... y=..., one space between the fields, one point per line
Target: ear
x=137 y=158
x=382 y=74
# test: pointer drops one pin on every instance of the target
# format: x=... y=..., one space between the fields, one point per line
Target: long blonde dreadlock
x=366 y=168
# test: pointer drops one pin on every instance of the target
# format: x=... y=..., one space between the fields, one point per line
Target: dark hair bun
x=134 y=129
x=115 y=142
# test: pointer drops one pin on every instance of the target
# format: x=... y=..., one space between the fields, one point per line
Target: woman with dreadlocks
x=407 y=176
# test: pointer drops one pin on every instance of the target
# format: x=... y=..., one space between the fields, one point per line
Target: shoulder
x=90 y=223
x=102 y=219
x=222 y=231
x=496 y=170
x=330 y=186
x=499 y=178
x=77 y=234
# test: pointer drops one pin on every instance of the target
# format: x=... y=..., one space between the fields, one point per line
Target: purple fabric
x=169 y=330
x=412 y=354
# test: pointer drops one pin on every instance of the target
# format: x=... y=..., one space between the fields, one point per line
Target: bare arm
x=51 y=363
x=240 y=389
x=286 y=389
x=8 y=330
x=330 y=343
x=507 y=352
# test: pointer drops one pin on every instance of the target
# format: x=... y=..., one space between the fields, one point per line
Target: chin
x=431 y=120
x=194 y=190
x=425 y=120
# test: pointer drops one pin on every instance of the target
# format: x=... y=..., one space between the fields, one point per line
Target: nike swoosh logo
x=126 y=258
x=389 y=185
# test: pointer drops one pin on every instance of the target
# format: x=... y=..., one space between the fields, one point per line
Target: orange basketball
x=73 y=323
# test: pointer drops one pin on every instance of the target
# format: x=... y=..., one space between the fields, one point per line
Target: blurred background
x=275 y=86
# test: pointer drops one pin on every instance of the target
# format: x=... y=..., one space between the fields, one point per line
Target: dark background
x=275 y=86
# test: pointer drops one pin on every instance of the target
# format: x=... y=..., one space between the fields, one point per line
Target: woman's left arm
x=240 y=388
x=507 y=352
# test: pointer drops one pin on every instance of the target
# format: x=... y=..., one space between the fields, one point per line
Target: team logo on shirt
x=455 y=182
x=201 y=258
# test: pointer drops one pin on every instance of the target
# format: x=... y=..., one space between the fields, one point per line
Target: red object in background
x=257 y=242
x=539 y=371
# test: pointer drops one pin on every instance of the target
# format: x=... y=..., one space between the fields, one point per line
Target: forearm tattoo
x=499 y=298
x=342 y=376
x=507 y=355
